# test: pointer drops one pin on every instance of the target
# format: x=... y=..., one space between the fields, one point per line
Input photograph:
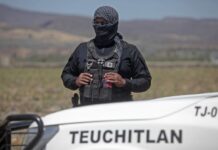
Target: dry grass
x=170 y=81
x=32 y=90
x=40 y=90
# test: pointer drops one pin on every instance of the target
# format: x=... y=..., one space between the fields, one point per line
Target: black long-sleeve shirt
x=132 y=68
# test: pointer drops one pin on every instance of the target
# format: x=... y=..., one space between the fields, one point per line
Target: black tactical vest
x=98 y=90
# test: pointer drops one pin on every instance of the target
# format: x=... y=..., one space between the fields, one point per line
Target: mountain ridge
x=132 y=29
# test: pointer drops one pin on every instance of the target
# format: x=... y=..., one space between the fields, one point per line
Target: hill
x=170 y=28
x=164 y=39
x=22 y=18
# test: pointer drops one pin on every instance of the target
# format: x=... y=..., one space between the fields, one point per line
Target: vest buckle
x=100 y=61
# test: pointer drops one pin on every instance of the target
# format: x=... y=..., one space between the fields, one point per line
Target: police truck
x=187 y=122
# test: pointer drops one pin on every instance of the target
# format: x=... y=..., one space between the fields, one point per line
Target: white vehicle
x=188 y=122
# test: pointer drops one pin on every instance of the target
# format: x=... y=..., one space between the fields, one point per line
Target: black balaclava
x=105 y=34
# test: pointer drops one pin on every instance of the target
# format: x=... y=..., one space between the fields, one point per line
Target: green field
x=40 y=90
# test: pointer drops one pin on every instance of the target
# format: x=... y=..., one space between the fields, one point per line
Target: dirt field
x=40 y=90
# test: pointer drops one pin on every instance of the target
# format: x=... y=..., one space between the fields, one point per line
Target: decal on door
x=127 y=136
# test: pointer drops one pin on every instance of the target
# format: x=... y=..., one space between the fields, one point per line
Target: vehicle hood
x=134 y=110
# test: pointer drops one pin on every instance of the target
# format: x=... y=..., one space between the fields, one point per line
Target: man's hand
x=115 y=78
x=83 y=79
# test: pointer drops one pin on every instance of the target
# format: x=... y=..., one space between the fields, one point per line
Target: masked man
x=107 y=68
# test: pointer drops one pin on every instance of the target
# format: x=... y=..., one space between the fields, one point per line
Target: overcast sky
x=128 y=9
